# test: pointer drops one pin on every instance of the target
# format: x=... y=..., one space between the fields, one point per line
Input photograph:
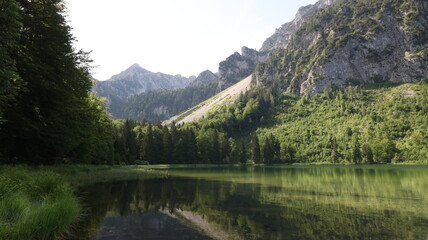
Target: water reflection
x=262 y=203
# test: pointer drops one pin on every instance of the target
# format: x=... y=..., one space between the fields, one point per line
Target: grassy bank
x=35 y=204
x=39 y=202
x=84 y=174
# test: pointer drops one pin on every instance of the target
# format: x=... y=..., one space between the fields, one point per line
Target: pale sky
x=173 y=36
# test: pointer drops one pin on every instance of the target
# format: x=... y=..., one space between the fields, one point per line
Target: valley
x=320 y=133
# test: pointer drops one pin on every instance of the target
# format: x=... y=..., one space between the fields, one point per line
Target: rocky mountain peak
x=283 y=35
x=204 y=78
x=136 y=80
x=135 y=66
x=238 y=66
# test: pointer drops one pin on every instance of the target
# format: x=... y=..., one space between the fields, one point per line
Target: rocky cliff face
x=238 y=66
x=353 y=42
x=136 y=80
x=283 y=35
x=204 y=77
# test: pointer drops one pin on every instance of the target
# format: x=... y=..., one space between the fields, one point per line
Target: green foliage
x=353 y=126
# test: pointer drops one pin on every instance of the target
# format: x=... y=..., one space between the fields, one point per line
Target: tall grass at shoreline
x=38 y=202
x=35 y=204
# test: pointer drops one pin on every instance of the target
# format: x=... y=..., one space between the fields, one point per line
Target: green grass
x=84 y=174
x=35 y=204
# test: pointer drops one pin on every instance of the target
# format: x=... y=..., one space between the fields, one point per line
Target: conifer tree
x=242 y=153
x=268 y=152
x=255 y=150
x=167 y=146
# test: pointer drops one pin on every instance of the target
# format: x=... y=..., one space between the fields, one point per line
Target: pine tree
x=192 y=149
x=147 y=147
x=10 y=84
x=224 y=148
x=129 y=139
x=367 y=154
x=167 y=146
x=242 y=153
x=276 y=147
x=215 y=148
x=268 y=152
x=356 y=152
x=255 y=150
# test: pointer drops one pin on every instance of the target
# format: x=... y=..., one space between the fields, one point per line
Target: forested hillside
x=376 y=124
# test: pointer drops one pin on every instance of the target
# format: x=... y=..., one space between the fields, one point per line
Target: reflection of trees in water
x=320 y=203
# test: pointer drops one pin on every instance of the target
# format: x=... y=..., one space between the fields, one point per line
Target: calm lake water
x=283 y=202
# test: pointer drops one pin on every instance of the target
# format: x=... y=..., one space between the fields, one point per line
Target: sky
x=182 y=37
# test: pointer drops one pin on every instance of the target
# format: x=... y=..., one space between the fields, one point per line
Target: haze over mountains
x=330 y=44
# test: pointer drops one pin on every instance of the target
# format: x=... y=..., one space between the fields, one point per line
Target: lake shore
x=39 y=202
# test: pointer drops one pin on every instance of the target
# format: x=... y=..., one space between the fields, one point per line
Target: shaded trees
x=52 y=118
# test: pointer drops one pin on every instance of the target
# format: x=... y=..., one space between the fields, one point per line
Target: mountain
x=155 y=105
x=338 y=88
x=234 y=72
x=204 y=77
x=135 y=80
x=333 y=44
x=351 y=43
x=159 y=105
x=238 y=66
x=284 y=34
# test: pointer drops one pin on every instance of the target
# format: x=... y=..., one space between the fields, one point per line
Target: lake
x=260 y=202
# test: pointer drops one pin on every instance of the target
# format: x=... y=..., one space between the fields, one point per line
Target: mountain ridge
x=352 y=42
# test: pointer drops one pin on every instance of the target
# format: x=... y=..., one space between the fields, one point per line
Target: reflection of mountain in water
x=275 y=203
x=151 y=225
